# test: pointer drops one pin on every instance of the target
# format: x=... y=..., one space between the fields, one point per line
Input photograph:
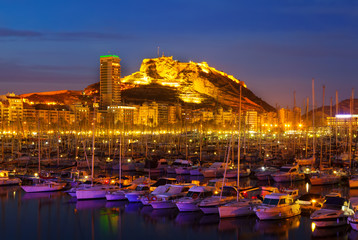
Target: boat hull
x=187 y=207
x=43 y=188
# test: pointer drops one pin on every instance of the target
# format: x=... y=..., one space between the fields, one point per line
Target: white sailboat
x=240 y=207
x=47 y=186
x=92 y=192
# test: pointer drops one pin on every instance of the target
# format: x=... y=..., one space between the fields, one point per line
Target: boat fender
x=154 y=198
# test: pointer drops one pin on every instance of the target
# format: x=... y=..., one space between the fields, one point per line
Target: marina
x=57 y=215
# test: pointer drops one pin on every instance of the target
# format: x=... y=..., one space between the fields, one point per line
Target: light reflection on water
x=58 y=216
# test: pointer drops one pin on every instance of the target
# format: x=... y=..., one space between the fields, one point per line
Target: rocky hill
x=167 y=80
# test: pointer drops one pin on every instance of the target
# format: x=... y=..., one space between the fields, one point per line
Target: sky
x=275 y=46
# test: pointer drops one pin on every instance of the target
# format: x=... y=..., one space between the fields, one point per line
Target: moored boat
x=277 y=206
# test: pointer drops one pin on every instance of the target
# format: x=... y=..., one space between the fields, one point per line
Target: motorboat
x=47 y=186
x=288 y=173
x=115 y=195
x=140 y=190
x=334 y=212
x=6 y=180
x=214 y=170
x=353 y=220
x=176 y=164
x=161 y=167
x=264 y=173
x=184 y=169
x=310 y=202
x=324 y=179
x=190 y=202
x=166 y=200
x=277 y=206
x=353 y=182
x=159 y=190
x=305 y=161
x=211 y=204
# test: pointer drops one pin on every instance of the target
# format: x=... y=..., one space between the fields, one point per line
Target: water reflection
x=278 y=228
x=56 y=216
x=331 y=233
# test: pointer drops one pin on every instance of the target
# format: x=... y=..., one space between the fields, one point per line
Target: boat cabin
x=199 y=192
x=276 y=199
x=289 y=169
x=4 y=174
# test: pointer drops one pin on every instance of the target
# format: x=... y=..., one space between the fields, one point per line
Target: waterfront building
x=251 y=120
x=343 y=120
x=110 y=72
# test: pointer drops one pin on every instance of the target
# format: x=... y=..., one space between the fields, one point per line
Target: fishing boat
x=334 y=212
x=277 y=206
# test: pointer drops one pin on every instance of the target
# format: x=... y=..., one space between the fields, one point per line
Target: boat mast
x=238 y=149
x=322 y=120
x=330 y=135
x=337 y=109
x=350 y=130
x=39 y=144
x=93 y=139
x=313 y=128
x=307 y=105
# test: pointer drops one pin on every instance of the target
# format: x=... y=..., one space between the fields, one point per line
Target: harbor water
x=56 y=215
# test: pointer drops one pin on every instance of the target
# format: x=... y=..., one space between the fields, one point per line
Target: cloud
x=7 y=32
x=86 y=35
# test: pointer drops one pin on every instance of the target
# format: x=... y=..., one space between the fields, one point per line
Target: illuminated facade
x=251 y=120
x=342 y=120
x=110 y=73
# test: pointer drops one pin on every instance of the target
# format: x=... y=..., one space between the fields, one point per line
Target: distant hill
x=166 y=80
x=169 y=81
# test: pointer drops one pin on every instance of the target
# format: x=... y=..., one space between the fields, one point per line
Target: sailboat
x=47 y=186
x=240 y=207
x=324 y=178
x=92 y=191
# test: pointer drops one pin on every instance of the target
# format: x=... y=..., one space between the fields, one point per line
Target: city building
x=110 y=73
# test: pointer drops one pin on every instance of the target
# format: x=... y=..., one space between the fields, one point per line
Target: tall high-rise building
x=110 y=73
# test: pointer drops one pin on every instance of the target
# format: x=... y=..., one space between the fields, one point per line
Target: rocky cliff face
x=194 y=83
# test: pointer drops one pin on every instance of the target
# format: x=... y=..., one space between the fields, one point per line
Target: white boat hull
x=43 y=188
x=115 y=196
x=278 y=213
x=10 y=181
x=187 y=207
x=288 y=177
x=90 y=194
x=163 y=204
x=334 y=222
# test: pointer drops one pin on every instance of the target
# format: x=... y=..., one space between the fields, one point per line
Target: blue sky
x=275 y=46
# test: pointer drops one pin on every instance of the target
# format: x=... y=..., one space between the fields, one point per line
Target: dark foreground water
x=58 y=216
